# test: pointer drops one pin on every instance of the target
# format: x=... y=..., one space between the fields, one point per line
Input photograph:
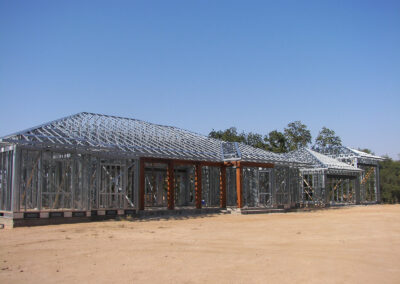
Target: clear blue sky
x=199 y=65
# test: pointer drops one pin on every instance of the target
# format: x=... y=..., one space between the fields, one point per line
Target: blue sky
x=199 y=65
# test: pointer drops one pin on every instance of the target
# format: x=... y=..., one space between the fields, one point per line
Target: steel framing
x=323 y=180
x=93 y=163
x=369 y=164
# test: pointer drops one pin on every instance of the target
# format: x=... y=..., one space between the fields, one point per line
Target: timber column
x=239 y=185
x=222 y=187
x=197 y=185
x=171 y=186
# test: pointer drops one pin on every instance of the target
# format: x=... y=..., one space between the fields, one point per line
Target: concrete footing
x=22 y=219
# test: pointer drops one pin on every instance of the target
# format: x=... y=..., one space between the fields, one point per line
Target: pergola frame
x=198 y=184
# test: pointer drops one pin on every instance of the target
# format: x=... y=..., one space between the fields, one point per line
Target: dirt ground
x=352 y=245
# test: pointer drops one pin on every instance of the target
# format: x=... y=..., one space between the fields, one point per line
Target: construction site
x=175 y=206
x=91 y=166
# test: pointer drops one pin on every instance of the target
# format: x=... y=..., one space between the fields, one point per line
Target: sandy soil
x=352 y=245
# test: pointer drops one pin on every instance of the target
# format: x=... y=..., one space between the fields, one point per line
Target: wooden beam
x=141 y=184
x=171 y=185
x=222 y=186
x=239 y=185
x=198 y=185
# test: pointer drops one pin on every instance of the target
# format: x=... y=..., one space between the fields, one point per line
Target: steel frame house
x=92 y=166
x=327 y=181
x=88 y=165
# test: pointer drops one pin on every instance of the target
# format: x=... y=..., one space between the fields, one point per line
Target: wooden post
x=198 y=185
x=141 y=184
x=222 y=187
x=171 y=185
x=239 y=185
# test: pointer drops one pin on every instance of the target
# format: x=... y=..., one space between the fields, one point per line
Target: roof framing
x=350 y=155
x=99 y=133
x=320 y=161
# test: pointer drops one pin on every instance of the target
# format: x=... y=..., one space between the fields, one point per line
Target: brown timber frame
x=198 y=178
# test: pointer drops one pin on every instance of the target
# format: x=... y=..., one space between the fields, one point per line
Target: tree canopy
x=390 y=180
x=327 y=137
x=228 y=135
x=297 y=135
x=276 y=142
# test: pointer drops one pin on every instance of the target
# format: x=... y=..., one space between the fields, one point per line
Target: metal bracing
x=257 y=187
x=211 y=187
x=60 y=181
x=282 y=189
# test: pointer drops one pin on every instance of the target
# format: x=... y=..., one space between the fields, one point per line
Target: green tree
x=327 y=137
x=297 y=135
x=229 y=135
x=232 y=135
x=276 y=142
x=255 y=140
x=390 y=180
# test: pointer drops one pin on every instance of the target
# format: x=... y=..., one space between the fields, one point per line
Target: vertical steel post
x=273 y=188
x=378 y=186
x=40 y=181
x=98 y=182
x=141 y=184
x=198 y=185
x=222 y=185
x=125 y=184
x=73 y=179
x=357 y=188
x=325 y=187
x=136 y=184
x=16 y=179
x=171 y=186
